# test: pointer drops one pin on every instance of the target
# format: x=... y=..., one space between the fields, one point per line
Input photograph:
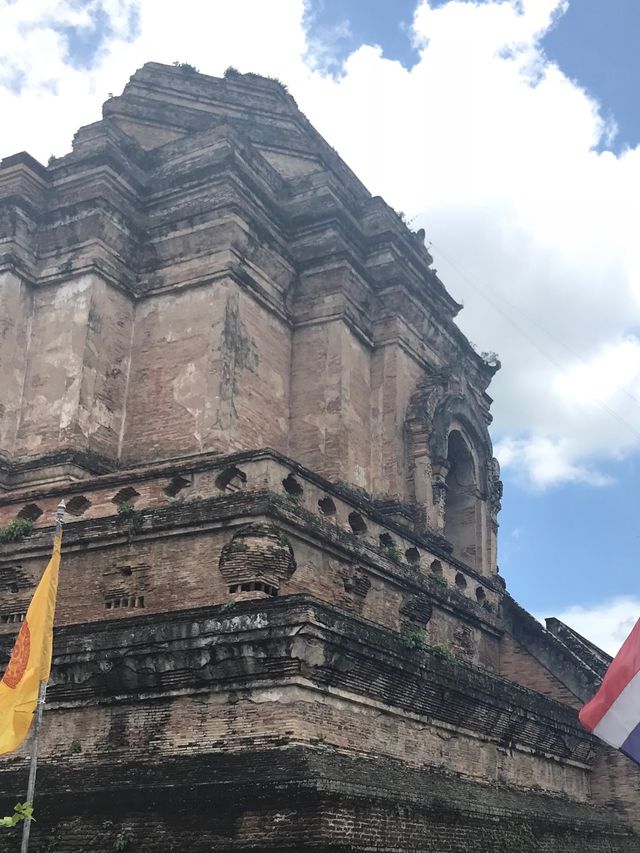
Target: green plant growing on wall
x=415 y=570
x=227 y=606
x=20 y=812
x=122 y=841
x=16 y=531
x=442 y=653
x=126 y=509
x=440 y=580
x=74 y=747
x=415 y=640
x=491 y=359
x=279 y=82
x=392 y=552
x=186 y=67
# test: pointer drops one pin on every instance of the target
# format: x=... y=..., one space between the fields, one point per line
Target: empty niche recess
x=30 y=512
x=326 y=506
x=412 y=556
x=357 y=523
x=126 y=495
x=461 y=581
x=176 y=485
x=231 y=479
x=481 y=595
x=78 y=505
x=436 y=567
x=292 y=486
x=386 y=541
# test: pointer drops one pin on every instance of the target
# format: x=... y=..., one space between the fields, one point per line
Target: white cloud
x=607 y=624
x=484 y=141
x=546 y=461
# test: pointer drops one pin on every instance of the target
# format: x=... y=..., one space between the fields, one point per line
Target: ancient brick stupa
x=280 y=624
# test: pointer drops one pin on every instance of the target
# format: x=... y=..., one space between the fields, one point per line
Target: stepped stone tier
x=280 y=622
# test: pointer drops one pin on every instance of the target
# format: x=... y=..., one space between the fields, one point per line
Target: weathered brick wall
x=329 y=429
x=210 y=371
x=520 y=666
x=170 y=573
x=15 y=309
x=49 y=408
x=342 y=723
x=165 y=554
x=284 y=715
x=258 y=809
x=615 y=782
x=236 y=287
x=230 y=236
x=76 y=369
x=394 y=376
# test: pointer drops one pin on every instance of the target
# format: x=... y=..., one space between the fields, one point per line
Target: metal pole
x=42 y=692
x=31 y=788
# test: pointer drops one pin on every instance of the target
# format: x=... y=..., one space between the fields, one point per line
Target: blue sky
x=510 y=131
x=596 y=42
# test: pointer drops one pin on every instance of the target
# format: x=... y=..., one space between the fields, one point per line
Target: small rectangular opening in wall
x=11 y=618
x=253 y=586
x=126 y=603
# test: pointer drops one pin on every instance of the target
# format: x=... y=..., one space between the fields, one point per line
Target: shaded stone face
x=280 y=624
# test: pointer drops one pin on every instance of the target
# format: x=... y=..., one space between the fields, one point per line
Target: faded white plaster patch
x=359 y=475
x=91 y=420
x=188 y=393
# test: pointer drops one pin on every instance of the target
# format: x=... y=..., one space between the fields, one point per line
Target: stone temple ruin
x=280 y=622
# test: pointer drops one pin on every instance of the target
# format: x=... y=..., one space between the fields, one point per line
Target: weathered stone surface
x=280 y=624
x=194 y=261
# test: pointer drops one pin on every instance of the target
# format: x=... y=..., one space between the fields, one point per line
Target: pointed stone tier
x=280 y=622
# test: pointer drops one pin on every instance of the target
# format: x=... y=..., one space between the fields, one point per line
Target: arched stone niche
x=256 y=562
x=462 y=509
x=453 y=475
x=356 y=584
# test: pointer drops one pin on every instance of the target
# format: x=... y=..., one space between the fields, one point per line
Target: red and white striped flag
x=613 y=714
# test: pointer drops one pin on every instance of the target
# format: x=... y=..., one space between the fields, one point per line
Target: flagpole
x=42 y=692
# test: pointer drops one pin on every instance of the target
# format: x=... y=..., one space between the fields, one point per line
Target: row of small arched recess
x=358 y=526
x=231 y=479
x=78 y=504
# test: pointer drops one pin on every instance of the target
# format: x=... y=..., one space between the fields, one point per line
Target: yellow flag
x=30 y=661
